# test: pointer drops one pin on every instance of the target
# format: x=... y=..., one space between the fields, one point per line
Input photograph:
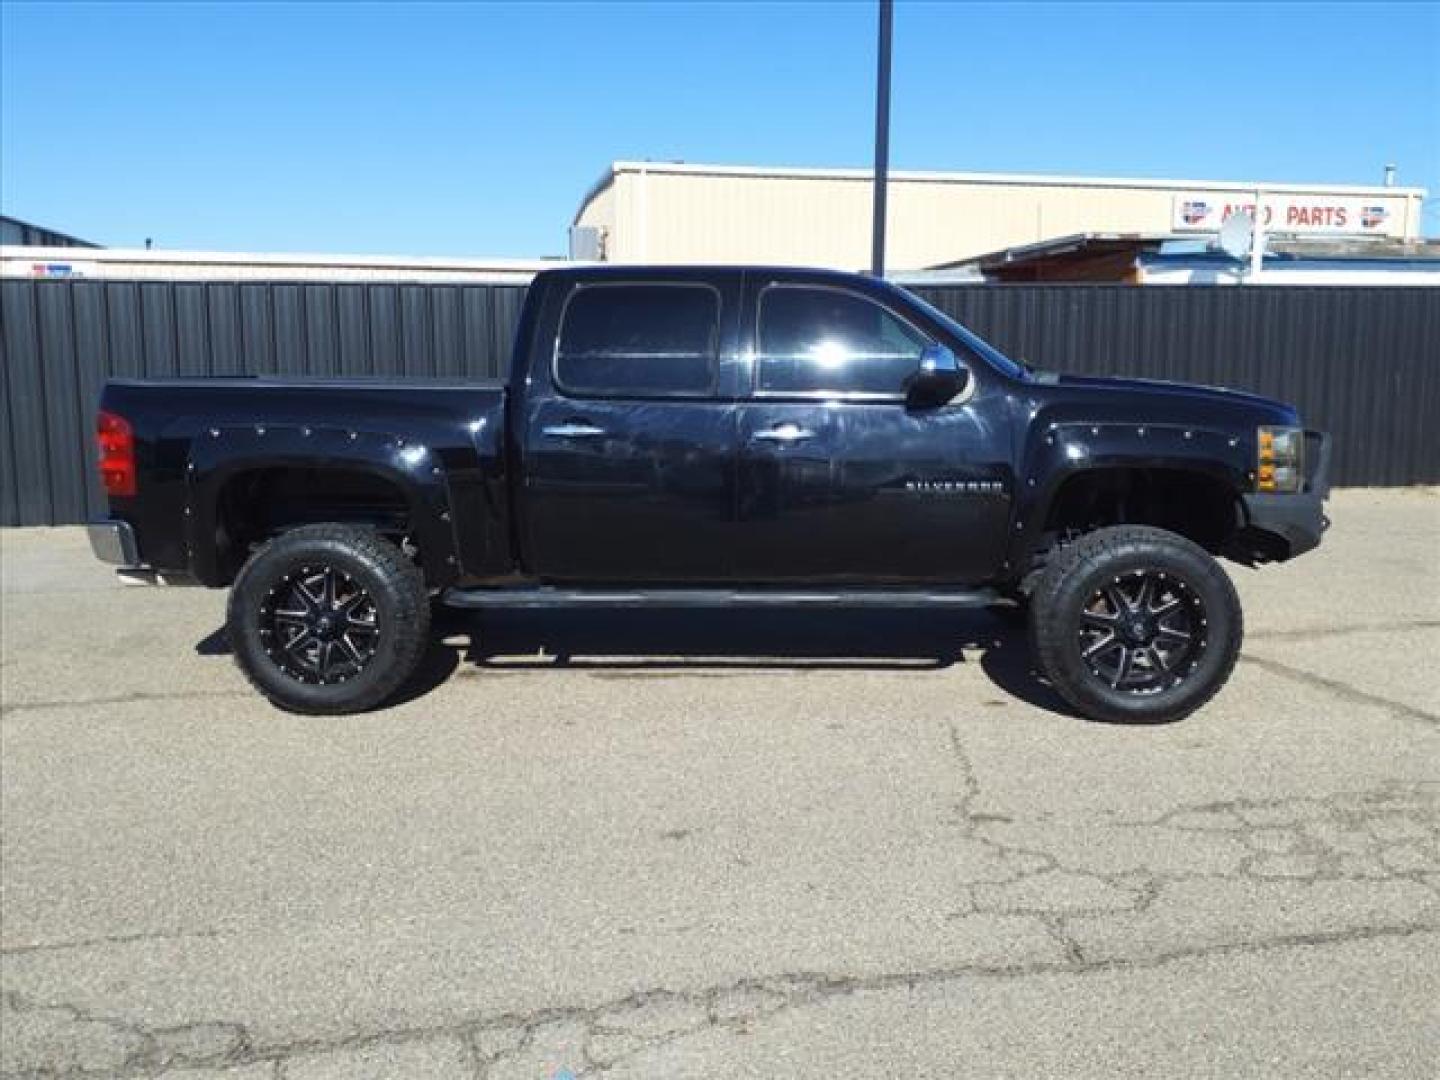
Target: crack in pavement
x=1084 y=901
x=644 y=1019
x=1108 y=895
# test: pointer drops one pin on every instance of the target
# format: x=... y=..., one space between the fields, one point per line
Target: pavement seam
x=124 y=699
x=1342 y=690
x=1319 y=633
x=102 y=942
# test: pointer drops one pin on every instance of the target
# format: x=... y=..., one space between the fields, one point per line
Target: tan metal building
x=675 y=213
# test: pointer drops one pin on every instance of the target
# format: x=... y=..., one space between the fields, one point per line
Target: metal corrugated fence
x=1361 y=362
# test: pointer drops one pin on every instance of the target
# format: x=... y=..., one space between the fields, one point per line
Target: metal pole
x=1257 y=238
x=882 y=140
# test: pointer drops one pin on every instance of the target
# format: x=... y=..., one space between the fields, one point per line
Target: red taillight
x=117 y=454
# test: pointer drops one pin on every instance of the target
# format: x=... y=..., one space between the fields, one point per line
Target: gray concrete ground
x=626 y=845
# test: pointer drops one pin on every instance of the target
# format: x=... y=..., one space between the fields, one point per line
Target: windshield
x=987 y=352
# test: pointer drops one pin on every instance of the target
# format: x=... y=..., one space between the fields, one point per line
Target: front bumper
x=1286 y=524
x=114 y=542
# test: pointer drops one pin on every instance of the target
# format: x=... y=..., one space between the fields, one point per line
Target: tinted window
x=639 y=340
x=826 y=340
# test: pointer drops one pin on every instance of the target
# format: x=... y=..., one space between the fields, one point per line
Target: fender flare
x=220 y=453
x=1063 y=450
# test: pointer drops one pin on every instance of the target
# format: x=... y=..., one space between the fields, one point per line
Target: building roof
x=15 y=231
x=683 y=168
x=238 y=265
x=1094 y=255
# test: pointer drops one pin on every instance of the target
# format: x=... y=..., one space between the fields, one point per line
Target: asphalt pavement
x=808 y=844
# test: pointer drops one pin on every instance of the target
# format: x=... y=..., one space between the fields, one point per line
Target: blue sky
x=475 y=129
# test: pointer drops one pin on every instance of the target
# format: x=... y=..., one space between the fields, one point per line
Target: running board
x=545 y=597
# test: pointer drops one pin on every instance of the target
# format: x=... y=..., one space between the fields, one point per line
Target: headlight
x=1281 y=457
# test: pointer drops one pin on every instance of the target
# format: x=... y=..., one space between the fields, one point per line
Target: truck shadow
x=654 y=644
x=677 y=643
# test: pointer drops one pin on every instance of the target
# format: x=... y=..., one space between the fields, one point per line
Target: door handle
x=784 y=433
x=573 y=431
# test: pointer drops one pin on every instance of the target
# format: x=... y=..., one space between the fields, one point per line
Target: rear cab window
x=639 y=340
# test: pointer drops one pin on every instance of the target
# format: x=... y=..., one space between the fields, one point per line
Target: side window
x=824 y=340
x=639 y=340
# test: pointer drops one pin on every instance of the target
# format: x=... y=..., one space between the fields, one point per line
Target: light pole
x=882 y=140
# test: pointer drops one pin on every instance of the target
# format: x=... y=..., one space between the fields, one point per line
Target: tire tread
x=412 y=617
x=1048 y=638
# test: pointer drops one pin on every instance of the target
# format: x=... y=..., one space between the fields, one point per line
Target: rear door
x=839 y=481
x=629 y=433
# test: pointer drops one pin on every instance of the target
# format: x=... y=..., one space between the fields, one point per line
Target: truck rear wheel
x=328 y=619
x=1133 y=624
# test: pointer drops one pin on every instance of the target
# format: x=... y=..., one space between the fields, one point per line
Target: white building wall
x=658 y=212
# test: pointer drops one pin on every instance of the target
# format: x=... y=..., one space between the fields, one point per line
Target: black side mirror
x=939 y=379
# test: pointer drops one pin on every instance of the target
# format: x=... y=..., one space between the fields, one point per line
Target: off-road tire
x=367 y=562
x=1061 y=603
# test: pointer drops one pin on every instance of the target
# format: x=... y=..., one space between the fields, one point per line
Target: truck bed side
x=221 y=464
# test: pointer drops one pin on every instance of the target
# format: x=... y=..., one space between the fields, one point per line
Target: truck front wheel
x=1133 y=624
x=328 y=619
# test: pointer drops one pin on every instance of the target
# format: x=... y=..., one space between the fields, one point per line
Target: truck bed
x=430 y=452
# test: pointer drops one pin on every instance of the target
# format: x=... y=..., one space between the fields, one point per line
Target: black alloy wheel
x=329 y=619
x=320 y=625
x=1134 y=624
x=1143 y=632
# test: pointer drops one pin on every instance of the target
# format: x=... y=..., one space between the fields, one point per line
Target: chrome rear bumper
x=114 y=542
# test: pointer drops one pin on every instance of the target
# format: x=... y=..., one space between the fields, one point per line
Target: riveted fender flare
x=222 y=452
x=1059 y=451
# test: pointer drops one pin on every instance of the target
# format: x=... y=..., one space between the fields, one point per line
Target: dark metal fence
x=1362 y=362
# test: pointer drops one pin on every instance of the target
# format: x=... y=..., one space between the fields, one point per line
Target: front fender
x=1059 y=451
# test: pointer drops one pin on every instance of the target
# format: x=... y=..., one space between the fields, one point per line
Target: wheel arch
x=368 y=479
x=1066 y=461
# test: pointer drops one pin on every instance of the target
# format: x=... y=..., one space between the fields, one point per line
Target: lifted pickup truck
x=697 y=437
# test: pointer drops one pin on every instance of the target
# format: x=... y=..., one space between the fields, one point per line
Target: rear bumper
x=1292 y=523
x=114 y=542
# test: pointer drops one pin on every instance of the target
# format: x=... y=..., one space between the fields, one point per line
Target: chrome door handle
x=784 y=433
x=573 y=431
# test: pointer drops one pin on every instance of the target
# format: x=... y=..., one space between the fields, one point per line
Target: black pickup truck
x=696 y=437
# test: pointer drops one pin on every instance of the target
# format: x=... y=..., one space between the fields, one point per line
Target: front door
x=839 y=481
x=629 y=448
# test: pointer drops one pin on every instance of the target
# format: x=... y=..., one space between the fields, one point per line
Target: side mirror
x=940 y=378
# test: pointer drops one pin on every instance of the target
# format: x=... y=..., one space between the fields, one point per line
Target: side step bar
x=545 y=597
